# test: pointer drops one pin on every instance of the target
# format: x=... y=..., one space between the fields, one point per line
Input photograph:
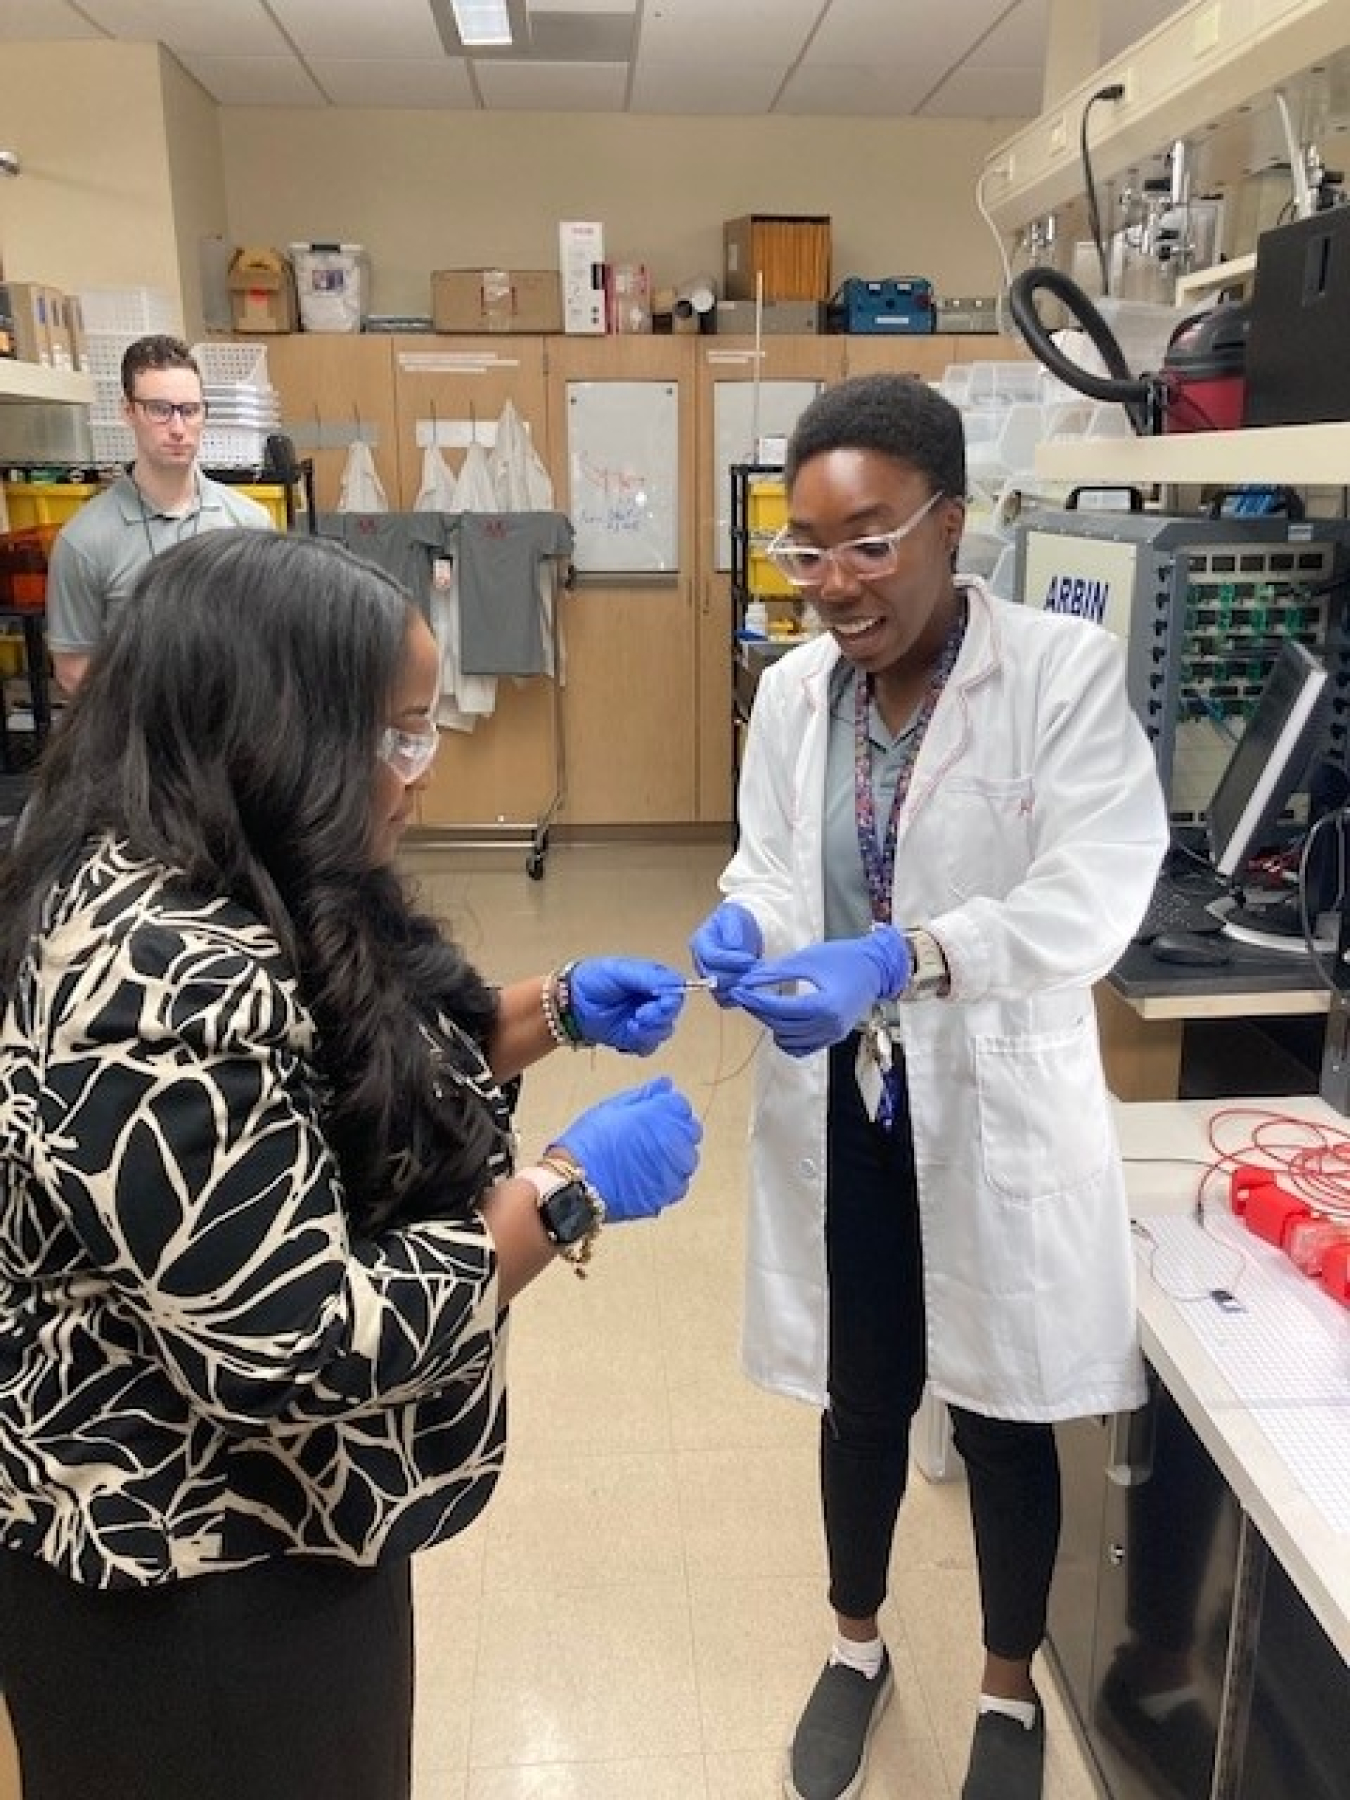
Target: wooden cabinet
x=334 y=387
x=629 y=702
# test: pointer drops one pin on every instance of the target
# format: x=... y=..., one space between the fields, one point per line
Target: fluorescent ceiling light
x=481 y=21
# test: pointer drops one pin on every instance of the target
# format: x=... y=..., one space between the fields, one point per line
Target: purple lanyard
x=879 y=862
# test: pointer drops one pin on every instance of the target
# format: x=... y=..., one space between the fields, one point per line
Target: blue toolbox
x=889 y=307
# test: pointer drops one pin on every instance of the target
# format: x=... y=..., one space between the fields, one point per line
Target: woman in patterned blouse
x=259 y=1224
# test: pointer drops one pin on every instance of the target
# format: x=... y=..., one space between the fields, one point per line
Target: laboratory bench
x=1214 y=1524
x=1264 y=1007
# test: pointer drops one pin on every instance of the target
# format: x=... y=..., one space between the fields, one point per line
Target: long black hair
x=227 y=729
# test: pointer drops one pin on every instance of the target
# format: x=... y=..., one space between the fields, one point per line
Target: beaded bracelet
x=555 y=1004
x=567 y=1016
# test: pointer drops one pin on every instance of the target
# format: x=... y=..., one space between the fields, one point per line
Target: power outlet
x=1059 y=135
x=1128 y=82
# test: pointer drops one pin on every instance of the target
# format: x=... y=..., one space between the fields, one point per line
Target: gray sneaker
x=828 y=1760
x=1007 y=1762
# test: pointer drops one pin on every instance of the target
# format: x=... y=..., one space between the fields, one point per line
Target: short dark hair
x=898 y=416
x=157 y=351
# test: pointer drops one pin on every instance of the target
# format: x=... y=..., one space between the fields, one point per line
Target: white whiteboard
x=623 y=465
x=744 y=411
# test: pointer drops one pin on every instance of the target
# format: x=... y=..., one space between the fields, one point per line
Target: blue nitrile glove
x=639 y=1149
x=843 y=979
x=727 y=945
x=625 y=1003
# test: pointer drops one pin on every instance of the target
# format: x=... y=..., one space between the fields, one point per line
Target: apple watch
x=570 y=1210
x=929 y=975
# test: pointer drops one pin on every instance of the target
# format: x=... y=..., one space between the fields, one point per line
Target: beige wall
x=93 y=205
x=196 y=179
x=128 y=165
x=424 y=190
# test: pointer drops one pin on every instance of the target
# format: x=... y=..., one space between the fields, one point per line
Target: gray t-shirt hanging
x=501 y=617
x=404 y=545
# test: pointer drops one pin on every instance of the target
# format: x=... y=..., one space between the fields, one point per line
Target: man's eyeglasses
x=864 y=558
x=191 y=412
x=409 y=753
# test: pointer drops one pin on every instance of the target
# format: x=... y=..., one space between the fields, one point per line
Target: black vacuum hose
x=1134 y=392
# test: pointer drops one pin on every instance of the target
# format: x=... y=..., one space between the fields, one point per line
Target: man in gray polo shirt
x=161 y=499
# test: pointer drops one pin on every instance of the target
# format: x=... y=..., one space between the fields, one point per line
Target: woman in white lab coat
x=950 y=824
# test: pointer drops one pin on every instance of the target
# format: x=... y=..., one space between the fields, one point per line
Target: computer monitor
x=1269 y=759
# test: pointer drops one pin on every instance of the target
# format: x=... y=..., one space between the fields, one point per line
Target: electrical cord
x=1000 y=305
x=1113 y=92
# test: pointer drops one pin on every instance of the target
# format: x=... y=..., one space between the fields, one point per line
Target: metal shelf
x=1284 y=455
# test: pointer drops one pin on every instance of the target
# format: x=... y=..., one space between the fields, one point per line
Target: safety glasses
x=408 y=753
x=863 y=558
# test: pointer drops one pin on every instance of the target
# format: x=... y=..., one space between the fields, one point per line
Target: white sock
x=1024 y=1711
x=864 y=1657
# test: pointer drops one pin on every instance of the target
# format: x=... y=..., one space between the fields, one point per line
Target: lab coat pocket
x=985 y=842
x=1043 y=1119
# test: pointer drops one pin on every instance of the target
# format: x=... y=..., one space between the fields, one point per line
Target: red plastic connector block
x=1264 y=1207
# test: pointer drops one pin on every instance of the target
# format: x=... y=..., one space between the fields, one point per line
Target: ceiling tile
x=253 y=80
x=444 y=83
x=862 y=31
x=714 y=31
x=239 y=28
x=627 y=7
x=353 y=28
x=1018 y=40
x=42 y=21
x=552 y=87
x=863 y=89
x=970 y=93
x=704 y=87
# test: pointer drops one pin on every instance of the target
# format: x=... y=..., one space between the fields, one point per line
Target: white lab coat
x=1028 y=844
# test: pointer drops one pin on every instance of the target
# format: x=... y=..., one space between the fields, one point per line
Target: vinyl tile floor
x=639 y=1614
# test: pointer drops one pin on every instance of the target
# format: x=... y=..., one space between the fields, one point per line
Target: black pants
x=877 y=1368
x=291 y=1680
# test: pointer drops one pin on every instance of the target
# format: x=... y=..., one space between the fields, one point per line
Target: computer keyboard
x=1181 y=905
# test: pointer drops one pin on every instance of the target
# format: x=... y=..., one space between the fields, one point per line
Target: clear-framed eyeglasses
x=191 y=412
x=864 y=558
x=409 y=753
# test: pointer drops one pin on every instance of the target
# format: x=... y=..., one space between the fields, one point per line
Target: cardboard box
x=496 y=300
x=31 y=308
x=791 y=251
x=581 y=264
x=262 y=291
x=805 y=317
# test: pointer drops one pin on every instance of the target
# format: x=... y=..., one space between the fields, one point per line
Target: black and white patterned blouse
x=199 y=1366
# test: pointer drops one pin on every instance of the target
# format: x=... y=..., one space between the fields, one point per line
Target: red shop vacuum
x=1200 y=386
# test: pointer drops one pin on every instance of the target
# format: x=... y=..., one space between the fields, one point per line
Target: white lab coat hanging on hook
x=524 y=484
x=464 y=698
x=362 y=490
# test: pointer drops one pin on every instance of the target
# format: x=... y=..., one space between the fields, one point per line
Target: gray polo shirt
x=848 y=910
x=101 y=551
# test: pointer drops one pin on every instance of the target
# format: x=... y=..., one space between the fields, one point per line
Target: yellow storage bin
x=765 y=516
x=271 y=495
x=766 y=506
x=763 y=578
x=45 y=502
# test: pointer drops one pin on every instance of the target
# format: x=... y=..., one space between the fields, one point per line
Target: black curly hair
x=227 y=730
x=898 y=416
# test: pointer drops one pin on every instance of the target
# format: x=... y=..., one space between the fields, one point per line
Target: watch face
x=568 y=1213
